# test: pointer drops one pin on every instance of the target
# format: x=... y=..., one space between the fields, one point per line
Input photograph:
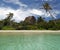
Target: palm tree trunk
x=52 y=17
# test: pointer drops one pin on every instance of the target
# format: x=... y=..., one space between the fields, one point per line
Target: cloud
x=21 y=14
x=37 y=12
x=40 y=12
x=16 y=2
x=18 y=14
x=43 y=13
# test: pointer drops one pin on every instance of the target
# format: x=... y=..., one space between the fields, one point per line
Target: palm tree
x=47 y=7
x=7 y=20
x=10 y=15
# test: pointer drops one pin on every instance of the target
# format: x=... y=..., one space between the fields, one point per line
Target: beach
x=28 y=32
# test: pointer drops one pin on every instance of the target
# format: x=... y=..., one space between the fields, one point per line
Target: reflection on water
x=30 y=42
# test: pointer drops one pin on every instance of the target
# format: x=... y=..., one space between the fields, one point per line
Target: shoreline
x=28 y=32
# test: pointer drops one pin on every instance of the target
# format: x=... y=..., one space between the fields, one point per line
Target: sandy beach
x=29 y=32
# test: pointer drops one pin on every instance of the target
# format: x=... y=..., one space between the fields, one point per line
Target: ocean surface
x=30 y=42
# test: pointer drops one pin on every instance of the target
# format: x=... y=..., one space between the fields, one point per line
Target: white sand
x=28 y=32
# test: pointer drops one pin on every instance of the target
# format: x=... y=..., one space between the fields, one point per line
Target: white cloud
x=15 y=2
x=40 y=12
x=21 y=14
x=18 y=14
x=37 y=12
x=43 y=13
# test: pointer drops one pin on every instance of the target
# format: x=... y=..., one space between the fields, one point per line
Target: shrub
x=8 y=28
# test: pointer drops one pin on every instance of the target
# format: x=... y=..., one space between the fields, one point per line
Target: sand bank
x=29 y=30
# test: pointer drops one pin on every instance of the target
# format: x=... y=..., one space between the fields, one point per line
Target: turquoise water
x=30 y=42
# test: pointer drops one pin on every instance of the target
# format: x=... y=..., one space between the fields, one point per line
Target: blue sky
x=25 y=8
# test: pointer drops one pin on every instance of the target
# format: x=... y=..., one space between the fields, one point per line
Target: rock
x=30 y=20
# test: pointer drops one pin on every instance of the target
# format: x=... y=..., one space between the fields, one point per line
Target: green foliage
x=40 y=19
x=47 y=6
x=8 y=28
x=7 y=21
x=32 y=27
x=1 y=24
x=39 y=24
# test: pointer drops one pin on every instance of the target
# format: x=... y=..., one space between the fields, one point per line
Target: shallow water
x=30 y=42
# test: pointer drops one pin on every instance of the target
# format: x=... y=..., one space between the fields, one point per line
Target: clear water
x=30 y=42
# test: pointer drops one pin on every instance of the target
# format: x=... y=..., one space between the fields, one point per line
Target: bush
x=8 y=28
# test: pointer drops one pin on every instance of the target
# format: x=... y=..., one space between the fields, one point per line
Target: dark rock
x=30 y=20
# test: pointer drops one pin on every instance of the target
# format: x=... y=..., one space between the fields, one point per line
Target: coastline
x=28 y=32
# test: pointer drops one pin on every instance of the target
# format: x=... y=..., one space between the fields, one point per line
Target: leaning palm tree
x=8 y=19
x=47 y=7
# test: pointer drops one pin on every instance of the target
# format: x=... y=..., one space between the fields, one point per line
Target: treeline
x=30 y=23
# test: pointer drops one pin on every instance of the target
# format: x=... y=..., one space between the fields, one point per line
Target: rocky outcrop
x=30 y=20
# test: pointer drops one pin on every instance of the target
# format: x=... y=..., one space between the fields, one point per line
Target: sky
x=24 y=8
